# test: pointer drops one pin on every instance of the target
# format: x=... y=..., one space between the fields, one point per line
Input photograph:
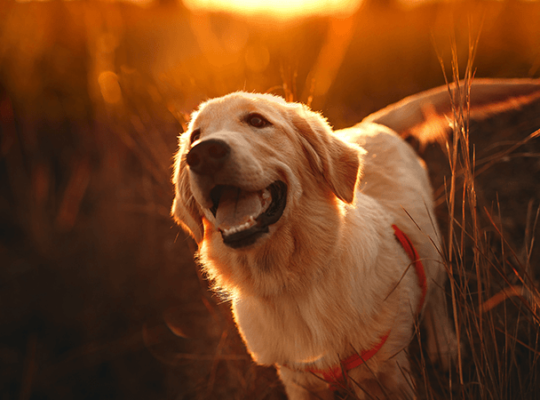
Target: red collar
x=336 y=376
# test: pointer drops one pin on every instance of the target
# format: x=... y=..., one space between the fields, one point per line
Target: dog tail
x=428 y=115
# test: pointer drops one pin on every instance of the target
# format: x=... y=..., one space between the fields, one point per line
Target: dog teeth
x=266 y=199
x=250 y=222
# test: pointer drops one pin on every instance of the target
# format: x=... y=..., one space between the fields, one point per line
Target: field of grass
x=99 y=294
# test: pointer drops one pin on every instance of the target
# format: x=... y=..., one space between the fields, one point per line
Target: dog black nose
x=208 y=157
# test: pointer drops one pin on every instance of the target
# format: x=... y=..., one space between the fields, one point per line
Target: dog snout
x=208 y=157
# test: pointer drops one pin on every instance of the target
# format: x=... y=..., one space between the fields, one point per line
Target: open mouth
x=242 y=217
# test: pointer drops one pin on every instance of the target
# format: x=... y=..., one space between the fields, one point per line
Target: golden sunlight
x=277 y=8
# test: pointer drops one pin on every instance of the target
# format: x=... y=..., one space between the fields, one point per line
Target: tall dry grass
x=492 y=291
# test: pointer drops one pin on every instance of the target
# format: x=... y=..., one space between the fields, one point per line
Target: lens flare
x=277 y=8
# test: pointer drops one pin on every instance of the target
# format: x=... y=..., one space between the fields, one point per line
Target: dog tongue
x=236 y=207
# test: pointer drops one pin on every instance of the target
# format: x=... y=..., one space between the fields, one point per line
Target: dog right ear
x=184 y=209
x=338 y=162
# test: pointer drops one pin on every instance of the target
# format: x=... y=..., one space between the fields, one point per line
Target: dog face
x=252 y=171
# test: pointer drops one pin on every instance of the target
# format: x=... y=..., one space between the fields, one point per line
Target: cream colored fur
x=329 y=279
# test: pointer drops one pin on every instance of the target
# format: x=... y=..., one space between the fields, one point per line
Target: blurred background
x=99 y=295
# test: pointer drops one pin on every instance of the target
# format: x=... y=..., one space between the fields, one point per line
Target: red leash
x=335 y=375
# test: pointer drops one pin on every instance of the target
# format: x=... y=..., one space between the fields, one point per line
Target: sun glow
x=277 y=8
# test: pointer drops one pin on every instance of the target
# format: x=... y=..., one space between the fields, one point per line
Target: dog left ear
x=184 y=208
x=337 y=161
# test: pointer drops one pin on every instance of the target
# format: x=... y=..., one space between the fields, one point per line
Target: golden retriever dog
x=325 y=241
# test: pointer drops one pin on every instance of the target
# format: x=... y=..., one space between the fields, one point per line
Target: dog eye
x=257 y=121
x=195 y=135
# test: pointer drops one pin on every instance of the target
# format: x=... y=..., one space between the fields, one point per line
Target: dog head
x=251 y=165
x=241 y=162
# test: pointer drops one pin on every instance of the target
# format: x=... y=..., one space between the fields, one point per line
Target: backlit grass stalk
x=461 y=162
x=494 y=369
